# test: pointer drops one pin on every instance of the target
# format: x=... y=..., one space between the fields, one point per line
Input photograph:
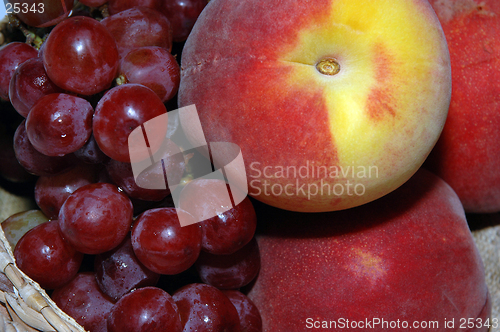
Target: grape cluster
x=109 y=252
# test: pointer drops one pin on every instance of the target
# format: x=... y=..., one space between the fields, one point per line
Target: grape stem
x=3 y=26
x=104 y=11
x=31 y=37
x=121 y=79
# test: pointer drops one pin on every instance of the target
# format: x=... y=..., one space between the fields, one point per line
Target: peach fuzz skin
x=409 y=256
x=251 y=69
x=467 y=155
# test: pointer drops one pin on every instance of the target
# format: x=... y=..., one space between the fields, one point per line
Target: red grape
x=11 y=56
x=147 y=309
x=96 y=218
x=83 y=300
x=183 y=14
x=250 y=319
x=154 y=67
x=230 y=271
x=29 y=83
x=116 y=6
x=204 y=308
x=119 y=271
x=121 y=174
x=80 y=56
x=43 y=13
x=90 y=152
x=52 y=191
x=227 y=231
x=10 y=169
x=36 y=162
x=45 y=257
x=169 y=168
x=162 y=245
x=93 y=3
x=59 y=124
x=137 y=27
x=119 y=112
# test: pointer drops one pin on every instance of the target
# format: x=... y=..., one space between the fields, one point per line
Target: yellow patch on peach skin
x=367 y=265
x=390 y=53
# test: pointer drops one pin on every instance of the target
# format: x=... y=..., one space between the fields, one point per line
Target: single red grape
x=230 y=271
x=90 y=153
x=96 y=218
x=35 y=162
x=119 y=112
x=43 y=13
x=121 y=174
x=147 y=309
x=250 y=318
x=52 y=191
x=227 y=231
x=154 y=67
x=59 y=124
x=11 y=56
x=45 y=257
x=204 y=308
x=119 y=271
x=80 y=56
x=137 y=27
x=162 y=245
x=83 y=300
x=183 y=14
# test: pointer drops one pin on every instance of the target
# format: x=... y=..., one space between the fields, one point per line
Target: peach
x=467 y=155
x=334 y=103
x=404 y=262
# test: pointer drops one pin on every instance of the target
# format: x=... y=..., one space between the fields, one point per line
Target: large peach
x=334 y=103
x=467 y=155
x=404 y=262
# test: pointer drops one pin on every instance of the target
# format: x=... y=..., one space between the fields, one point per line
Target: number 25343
x=24 y=8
